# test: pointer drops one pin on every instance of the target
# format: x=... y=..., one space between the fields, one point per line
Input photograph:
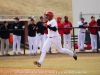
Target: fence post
x=24 y=41
x=74 y=38
x=80 y=15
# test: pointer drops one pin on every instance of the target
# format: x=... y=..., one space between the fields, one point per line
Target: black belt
x=82 y=32
x=52 y=37
x=67 y=33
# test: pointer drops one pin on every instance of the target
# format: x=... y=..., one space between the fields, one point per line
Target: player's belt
x=52 y=37
x=82 y=32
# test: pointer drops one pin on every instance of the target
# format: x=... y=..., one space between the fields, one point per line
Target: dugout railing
x=73 y=36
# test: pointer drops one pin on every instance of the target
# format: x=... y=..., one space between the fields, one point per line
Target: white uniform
x=81 y=36
x=55 y=39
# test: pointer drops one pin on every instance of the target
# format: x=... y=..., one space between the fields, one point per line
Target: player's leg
x=14 y=44
x=30 y=44
x=42 y=42
x=34 y=46
x=65 y=43
x=2 y=46
x=79 y=40
x=95 y=41
x=57 y=43
x=7 y=47
x=92 y=41
x=46 y=46
x=82 y=41
x=18 y=44
x=38 y=40
x=69 y=41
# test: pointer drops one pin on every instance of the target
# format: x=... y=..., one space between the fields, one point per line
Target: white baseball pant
x=56 y=41
x=40 y=39
x=81 y=40
x=32 y=42
x=16 y=41
x=4 y=41
x=99 y=33
x=67 y=41
x=93 y=41
x=45 y=37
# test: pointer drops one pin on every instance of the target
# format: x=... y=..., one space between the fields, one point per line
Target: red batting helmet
x=49 y=13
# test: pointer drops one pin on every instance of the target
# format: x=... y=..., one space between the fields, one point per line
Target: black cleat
x=37 y=63
x=75 y=57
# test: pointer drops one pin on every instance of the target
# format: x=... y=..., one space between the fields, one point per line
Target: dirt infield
x=13 y=71
x=54 y=64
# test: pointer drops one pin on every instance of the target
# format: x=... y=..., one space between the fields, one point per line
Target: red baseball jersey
x=67 y=24
x=93 y=30
x=60 y=25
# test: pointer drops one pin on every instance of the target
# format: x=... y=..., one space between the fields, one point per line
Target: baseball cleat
x=74 y=55
x=37 y=63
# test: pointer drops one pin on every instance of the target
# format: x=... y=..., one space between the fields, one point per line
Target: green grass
x=87 y=64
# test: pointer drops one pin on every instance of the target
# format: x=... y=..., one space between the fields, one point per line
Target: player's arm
x=84 y=25
x=52 y=28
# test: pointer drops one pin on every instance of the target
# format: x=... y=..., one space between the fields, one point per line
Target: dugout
x=24 y=22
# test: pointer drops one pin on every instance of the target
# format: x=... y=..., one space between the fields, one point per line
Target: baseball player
x=53 y=38
x=67 y=36
x=32 y=37
x=16 y=35
x=5 y=38
x=98 y=21
x=93 y=33
x=81 y=34
x=40 y=33
x=60 y=25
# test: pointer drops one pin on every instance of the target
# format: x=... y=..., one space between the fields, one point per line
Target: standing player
x=67 y=36
x=40 y=33
x=81 y=34
x=16 y=35
x=4 y=39
x=98 y=21
x=53 y=38
x=60 y=25
x=93 y=33
x=32 y=37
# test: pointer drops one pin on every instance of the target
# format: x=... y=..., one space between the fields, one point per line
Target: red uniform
x=60 y=25
x=46 y=31
x=93 y=30
x=67 y=24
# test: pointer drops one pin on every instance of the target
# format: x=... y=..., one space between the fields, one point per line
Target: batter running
x=53 y=38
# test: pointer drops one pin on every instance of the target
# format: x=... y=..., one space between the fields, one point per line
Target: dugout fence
x=74 y=39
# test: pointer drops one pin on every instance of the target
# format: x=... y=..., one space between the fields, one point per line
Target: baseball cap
x=32 y=19
x=41 y=17
x=16 y=18
x=92 y=17
x=66 y=17
x=82 y=18
x=5 y=22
